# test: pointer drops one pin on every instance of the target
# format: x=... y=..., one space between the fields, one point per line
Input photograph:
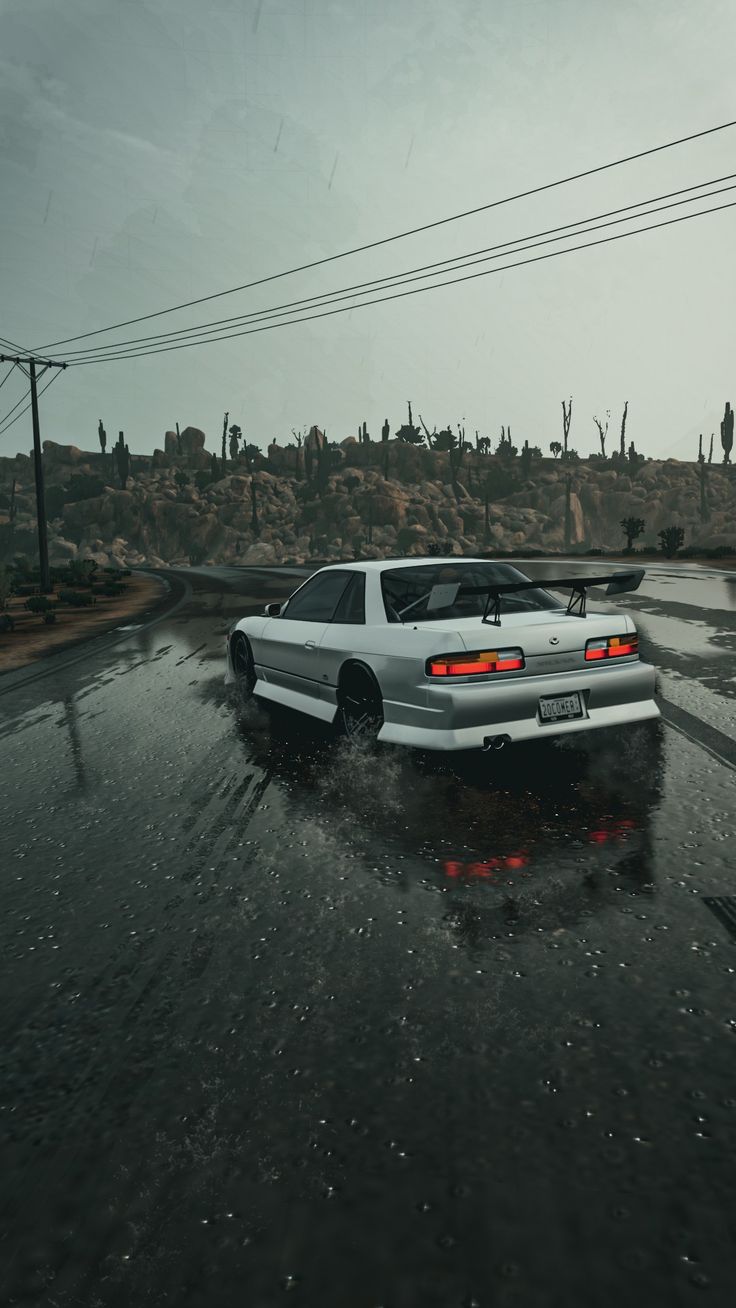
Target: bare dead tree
x=622 y=446
x=566 y=420
x=602 y=431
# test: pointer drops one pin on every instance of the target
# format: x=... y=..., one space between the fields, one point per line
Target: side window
x=318 y=598
x=352 y=604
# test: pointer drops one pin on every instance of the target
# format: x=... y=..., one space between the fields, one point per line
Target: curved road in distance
x=283 y=1018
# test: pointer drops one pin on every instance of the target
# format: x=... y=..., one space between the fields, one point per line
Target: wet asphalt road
x=288 y=1022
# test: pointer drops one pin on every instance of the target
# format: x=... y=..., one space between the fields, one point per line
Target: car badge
x=554 y=640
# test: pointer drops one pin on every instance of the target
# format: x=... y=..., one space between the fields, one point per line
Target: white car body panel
x=461 y=713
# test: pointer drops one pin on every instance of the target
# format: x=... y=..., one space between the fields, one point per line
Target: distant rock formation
x=272 y=511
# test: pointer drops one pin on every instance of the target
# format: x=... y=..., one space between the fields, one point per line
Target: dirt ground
x=32 y=639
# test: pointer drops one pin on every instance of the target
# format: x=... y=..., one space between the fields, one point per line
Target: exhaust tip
x=495 y=742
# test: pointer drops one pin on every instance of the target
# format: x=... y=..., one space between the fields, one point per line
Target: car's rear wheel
x=241 y=656
x=360 y=705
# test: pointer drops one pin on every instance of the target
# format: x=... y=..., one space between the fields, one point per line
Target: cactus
x=179 y=446
x=366 y=437
x=526 y=460
x=122 y=458
x=701 y=456
x=710 y=451
x=214 y=471
x=224 y=439
x=102 y=436
x=727 y=433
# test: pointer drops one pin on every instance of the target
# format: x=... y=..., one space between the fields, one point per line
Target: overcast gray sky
x=154 y=151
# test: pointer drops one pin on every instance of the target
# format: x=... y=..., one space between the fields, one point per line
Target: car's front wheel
x=241 y=657
x=360 y=705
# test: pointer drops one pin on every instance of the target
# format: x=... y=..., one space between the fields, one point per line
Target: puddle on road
x=531 y=834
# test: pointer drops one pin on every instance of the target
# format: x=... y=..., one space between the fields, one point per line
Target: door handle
x=310 y=644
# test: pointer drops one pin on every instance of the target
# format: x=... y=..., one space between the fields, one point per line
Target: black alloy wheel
x=361 y=706
x=241 y=656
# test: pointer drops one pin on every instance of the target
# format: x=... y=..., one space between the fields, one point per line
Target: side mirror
x=272 y=610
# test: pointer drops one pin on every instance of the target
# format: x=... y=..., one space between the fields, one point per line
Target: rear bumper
x=463 y=716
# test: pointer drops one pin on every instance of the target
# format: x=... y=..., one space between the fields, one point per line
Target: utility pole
x=43 y=545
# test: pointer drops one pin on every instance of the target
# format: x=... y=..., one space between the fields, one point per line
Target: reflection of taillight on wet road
x=486 y=870
x=614 y=830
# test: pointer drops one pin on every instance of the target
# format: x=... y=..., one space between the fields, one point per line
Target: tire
x=360 y=705
x=241 y=657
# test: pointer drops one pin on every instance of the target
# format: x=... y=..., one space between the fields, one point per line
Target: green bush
x=80 y=571
x=113 y=588
x=38 y=603
x=49 y=617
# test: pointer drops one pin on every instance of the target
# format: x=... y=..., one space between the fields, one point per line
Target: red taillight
x=474 y=663
x=611 y=647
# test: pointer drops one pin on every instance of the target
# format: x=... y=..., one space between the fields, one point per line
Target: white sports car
x=446 y=654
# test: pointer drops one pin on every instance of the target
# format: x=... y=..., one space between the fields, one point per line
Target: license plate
x=561 y=708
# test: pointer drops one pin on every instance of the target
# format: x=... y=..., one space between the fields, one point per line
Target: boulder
x=60 y=550
x=192 y=441
x=55 y=454
x=260 y=553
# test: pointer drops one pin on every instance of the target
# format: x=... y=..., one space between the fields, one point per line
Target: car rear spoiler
x=617 y=583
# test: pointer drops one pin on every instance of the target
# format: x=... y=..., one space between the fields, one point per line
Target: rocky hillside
x=276 y=509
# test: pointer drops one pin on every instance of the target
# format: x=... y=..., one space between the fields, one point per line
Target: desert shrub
x=49 y=617
x=6 y=623
x=38 y=603
x=113 y=588
x=671 y=540
x=80 y=571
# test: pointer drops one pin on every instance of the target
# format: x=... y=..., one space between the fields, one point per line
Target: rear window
x=402 y=587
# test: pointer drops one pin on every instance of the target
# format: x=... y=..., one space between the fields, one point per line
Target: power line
x=50 y=382
x=425 y=270
x=5 y=378
x=418 y=290
x=15 y=406
x=12 y=345
x=399 y=236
